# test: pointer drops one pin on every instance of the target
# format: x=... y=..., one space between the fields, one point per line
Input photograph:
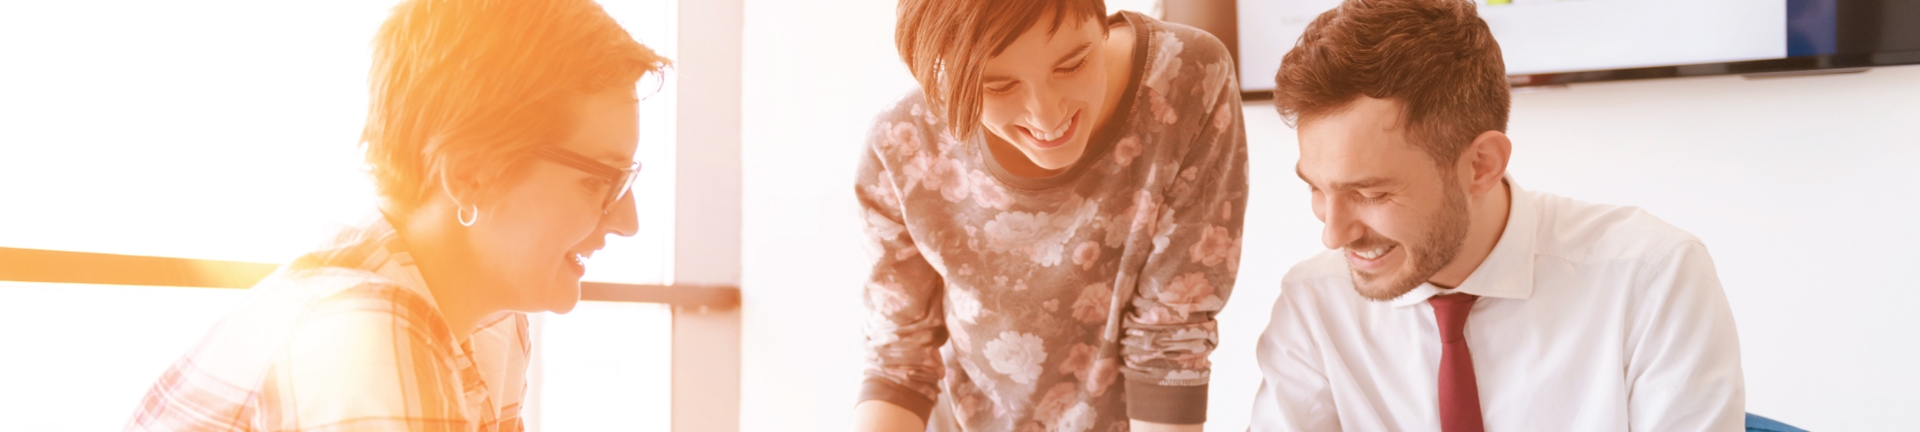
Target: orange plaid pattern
x=344 y=338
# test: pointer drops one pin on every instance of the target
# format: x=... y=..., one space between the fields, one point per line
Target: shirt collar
x=392 y=260
x=1508 y=270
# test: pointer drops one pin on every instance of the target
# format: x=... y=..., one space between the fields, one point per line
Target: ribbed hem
x=1181 y=405
x=883 y=390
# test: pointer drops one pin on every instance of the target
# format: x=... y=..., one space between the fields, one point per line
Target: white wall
x=815 y=73
x=81 y=357
x=1800 y=186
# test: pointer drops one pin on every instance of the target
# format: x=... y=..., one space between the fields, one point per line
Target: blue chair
x=1762 y=424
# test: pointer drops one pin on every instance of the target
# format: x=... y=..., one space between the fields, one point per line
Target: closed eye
x=1071 y=69
x=596 y=184
x=1081 y=53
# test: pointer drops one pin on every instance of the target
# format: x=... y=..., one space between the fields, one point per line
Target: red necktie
x=1459 y=395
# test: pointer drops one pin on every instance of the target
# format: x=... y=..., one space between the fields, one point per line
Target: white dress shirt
x=1591 y=318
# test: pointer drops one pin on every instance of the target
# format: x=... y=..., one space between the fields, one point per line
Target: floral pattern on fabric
x=1026 y=304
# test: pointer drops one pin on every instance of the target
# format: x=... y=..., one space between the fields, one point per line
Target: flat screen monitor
x=1557 y=42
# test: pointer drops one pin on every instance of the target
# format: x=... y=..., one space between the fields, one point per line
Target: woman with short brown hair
x=1057 y=211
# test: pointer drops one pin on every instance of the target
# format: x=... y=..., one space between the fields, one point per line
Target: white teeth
x=1371 y=254
x=580 y=260
x=1052 y=134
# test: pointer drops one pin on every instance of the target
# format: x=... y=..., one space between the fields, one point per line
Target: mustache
x=1369 y=243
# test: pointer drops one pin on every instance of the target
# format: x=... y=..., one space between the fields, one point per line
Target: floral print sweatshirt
x=1072 y=302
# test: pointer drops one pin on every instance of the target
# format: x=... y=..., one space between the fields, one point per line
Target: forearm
x=1147 y=426
x=881 y=416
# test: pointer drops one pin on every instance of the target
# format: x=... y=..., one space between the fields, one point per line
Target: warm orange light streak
x=33 y=265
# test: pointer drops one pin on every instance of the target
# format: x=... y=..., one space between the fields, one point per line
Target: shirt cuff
x=884 y=390
x=1180 y=405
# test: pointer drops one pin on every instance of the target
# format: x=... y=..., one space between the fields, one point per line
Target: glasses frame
x=622 y=178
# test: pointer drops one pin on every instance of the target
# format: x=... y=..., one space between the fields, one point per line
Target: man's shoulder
x=1581 y=231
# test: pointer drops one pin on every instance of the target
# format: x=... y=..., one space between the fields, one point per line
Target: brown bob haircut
x=1435 y=57
x=470 y=88
x=946 y=44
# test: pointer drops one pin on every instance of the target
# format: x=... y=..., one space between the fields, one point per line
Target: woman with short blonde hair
x=501 y=138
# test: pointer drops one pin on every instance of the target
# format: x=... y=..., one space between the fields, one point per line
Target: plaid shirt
x=345 y=338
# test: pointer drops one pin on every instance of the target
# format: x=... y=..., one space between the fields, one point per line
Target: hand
x=882 y=416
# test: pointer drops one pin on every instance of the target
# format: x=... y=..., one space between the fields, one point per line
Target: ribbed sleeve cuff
x=881 y=389
x=1181 y=405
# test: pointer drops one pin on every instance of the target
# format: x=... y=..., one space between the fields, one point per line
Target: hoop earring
x=461 y=215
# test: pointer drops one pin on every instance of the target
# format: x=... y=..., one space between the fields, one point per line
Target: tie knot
x=1450 y=312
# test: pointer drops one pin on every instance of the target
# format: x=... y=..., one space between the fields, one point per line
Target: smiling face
x=535 y=236
x=1045 y=93
x=1399 y=217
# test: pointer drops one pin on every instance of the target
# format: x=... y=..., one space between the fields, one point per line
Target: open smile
x=577 y=261
x=1052 y=138
x=1373 y=259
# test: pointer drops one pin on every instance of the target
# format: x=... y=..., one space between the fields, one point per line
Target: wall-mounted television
x=1558 y=42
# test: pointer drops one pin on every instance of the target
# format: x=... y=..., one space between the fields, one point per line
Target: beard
x=1446 y=234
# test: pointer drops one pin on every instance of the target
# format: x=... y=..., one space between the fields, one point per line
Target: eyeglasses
x=622 y=179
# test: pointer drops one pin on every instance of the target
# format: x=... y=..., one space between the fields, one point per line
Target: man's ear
x=1486 y=159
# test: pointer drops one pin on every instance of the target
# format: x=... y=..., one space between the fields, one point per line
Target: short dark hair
x=1436 y=57
x=475 y=86
x=946 y=44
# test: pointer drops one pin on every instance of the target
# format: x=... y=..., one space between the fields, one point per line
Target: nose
x=1341 y=227
x=1044 y=108
x=624 y=220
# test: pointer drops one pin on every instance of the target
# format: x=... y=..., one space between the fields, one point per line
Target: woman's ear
x=460 y=186
x=1487 y=157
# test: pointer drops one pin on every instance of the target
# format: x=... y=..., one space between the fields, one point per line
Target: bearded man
x=1453 y=299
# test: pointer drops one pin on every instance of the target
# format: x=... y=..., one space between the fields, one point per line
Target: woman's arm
x=905 y=312
x=1170 y=330
x=875 y=415
x=1147 y=426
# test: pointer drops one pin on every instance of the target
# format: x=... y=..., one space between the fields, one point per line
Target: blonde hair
x=468 y=88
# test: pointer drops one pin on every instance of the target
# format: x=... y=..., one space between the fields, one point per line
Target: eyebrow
x=1365 y=183
x=615 y=159
x=1083 y=49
